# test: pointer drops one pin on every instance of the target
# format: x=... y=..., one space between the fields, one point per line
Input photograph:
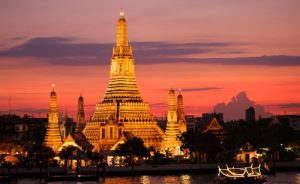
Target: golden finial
x=179 y=90
x=53 y=86
x=122 y=13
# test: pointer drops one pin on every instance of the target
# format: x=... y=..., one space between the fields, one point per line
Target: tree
x=133 y=147
x=202 y=144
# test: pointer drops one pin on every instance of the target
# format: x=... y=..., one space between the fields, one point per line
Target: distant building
x=191 y=122
x=250 y=114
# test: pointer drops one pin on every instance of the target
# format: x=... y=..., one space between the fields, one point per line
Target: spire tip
x=122 y=13
x=172 y=85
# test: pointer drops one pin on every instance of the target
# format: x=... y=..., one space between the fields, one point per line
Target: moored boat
x=242 y=175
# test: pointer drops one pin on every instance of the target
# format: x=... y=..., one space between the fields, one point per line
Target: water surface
x=279 y=178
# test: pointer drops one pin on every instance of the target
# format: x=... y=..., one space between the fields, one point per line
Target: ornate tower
x=53 y=137
x=80 y=115
x=171 y=142
x=122 y=108
x=180 y=113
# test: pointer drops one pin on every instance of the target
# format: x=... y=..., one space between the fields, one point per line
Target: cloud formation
x=29 y=110
x=289 y=105
x=158 y=105
x=68 y=51
x=235 y=109
x=201 y=89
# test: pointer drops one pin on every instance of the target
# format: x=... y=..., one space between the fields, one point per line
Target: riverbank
x=138 y=170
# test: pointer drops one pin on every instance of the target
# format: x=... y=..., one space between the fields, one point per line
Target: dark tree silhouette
x=201 y=144
x=133 y=147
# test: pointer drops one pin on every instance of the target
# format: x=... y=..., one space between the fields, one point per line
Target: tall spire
x=80 y=115
x=122 y=81
x=53 y=137
x=172 y=101
x=180 y=113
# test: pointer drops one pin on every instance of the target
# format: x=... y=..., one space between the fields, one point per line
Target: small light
x=122 y=13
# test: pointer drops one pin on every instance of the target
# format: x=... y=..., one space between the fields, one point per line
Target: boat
x=242 y=175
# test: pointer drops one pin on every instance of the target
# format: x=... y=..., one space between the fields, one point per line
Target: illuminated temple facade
x=53 y=138
x=122 y=110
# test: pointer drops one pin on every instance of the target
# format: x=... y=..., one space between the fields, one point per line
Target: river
x=279 y=178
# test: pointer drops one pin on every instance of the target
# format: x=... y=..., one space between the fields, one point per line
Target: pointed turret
x=80 y=115
x=180 y=113
x=53 y=137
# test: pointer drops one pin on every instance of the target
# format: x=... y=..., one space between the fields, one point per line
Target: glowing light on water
x=145 y=179
x=185 y=179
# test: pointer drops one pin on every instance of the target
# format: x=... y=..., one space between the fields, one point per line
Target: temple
x=122 y=109
x=171 y=143
x=53 y=138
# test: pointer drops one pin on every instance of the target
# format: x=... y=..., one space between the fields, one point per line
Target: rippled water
x=279 y=178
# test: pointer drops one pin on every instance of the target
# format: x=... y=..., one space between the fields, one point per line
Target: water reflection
x=279 y=178
x=186 y=179
x=298 y=178
x=145 y=180
x=170 y=180
x=121 y=180
x=284 y=178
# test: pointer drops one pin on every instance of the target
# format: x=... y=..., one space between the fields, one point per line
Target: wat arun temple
x=122 y=114
x=122 y=109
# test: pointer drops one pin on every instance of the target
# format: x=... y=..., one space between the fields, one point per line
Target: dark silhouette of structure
x=250 y=114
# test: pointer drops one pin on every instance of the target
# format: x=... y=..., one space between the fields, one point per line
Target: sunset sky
x=211 y=49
